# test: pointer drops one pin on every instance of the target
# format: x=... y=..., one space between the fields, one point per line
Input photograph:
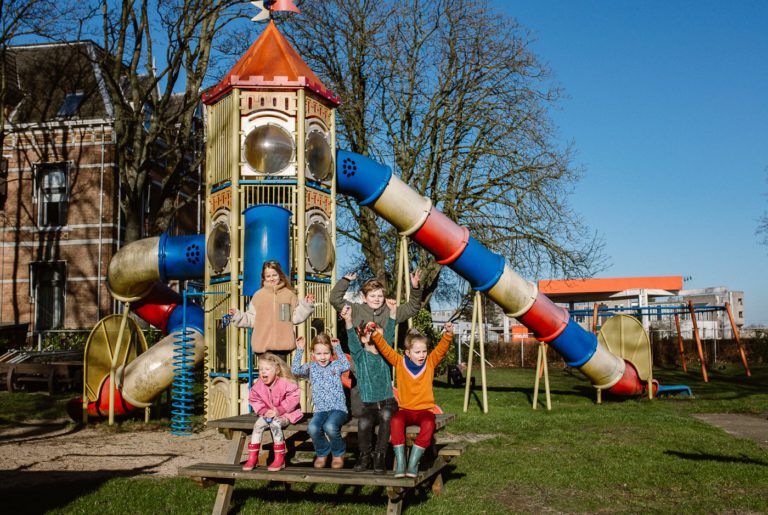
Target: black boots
x=377 y=459
x=379 y=462
x=363 y=462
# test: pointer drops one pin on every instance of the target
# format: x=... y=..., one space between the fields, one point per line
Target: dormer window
x=70 y=105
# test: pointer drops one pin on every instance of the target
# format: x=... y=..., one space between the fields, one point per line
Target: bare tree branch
x=450 y=94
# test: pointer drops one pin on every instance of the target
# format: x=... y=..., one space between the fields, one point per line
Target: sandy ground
x=34 y=454
x=52 y=451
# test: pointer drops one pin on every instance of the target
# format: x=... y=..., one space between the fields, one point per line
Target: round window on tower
x=320 y=254
x=268 y=149
x=217 y=247
x=319 y=155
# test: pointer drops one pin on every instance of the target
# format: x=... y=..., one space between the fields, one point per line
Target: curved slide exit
x=375 y=186
x=137 y=274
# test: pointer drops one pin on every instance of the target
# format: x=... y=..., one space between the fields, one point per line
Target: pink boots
x=279 y=462
x=253 y=456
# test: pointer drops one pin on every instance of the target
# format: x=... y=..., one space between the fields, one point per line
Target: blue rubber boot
x=413 y=461
x=399 y=460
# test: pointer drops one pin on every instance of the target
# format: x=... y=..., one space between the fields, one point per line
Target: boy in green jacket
x=375 y=389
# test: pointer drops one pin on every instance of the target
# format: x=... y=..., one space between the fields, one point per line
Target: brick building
x=59 y=213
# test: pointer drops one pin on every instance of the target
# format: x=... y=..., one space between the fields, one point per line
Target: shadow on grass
x=716 y=457
x=40 y=491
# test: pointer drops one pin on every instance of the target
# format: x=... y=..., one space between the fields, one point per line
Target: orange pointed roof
x=272 y=62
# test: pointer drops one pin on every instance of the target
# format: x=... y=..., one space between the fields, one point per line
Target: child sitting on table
x=415 y=372
x=275 y=398
x=375 y=387
x=327 y=395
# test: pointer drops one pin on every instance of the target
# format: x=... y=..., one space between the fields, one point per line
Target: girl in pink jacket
x=275 y=399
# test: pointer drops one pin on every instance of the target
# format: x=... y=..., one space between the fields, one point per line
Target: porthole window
x=319 y=156
x=268 y=149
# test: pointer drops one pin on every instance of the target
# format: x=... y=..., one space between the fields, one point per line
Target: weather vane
x=267 y=7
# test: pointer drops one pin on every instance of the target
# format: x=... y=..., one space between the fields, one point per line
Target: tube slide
x=137 y=274
x=374 y=185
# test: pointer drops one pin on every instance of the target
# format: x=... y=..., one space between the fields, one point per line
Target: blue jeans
x=325 y=430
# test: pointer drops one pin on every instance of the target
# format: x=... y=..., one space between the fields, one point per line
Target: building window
x=52 y=195
x=741 y=314
x=48 y=290
x=71 y=105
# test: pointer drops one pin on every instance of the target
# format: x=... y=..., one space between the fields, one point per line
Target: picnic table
x=63 y=374
x=238 y=428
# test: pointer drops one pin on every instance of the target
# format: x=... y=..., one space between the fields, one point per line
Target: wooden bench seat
x=237 y=429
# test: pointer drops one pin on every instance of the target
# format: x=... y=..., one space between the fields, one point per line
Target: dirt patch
x=51 y=451
x=446 y=437
x=35 y=454
x=753 y=427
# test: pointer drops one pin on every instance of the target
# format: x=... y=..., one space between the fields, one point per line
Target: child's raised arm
x=410 y=308
x=389 y=329
x=438 y=353
x=341 y=364
x=303 y=309
x=385 y=350
x=336 y=297
x=297 y=368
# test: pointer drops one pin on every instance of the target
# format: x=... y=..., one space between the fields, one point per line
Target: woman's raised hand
x=351 y=276
x=310 y=298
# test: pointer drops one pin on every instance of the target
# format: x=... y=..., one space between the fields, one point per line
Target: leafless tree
x=20 y=19
x=451 y=95
x=157 y=54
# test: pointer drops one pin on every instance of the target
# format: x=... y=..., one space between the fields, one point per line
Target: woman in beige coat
x=273 y=311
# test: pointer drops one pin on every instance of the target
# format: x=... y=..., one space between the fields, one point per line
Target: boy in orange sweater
x=415 y=372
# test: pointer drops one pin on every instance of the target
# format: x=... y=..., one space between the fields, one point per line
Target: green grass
x=631 y=456
x=16 y=408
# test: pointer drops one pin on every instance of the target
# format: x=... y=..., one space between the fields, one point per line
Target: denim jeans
x=375 y=413
x=325 y=430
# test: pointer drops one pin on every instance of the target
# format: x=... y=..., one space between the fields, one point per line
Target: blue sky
x=667 y=107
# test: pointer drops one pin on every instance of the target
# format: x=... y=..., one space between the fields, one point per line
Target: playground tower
x=270 y=194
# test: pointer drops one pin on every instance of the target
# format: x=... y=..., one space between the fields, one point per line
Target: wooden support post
x=113 y=365
x=542 y=369
x=594 y=318
x=650 y=371
x=680 y=343
x=234 y=453
x=481 y=320
x=403 y=280
x=477 y=325
x=698 y=342
x=738 y=340
x=470 y=355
